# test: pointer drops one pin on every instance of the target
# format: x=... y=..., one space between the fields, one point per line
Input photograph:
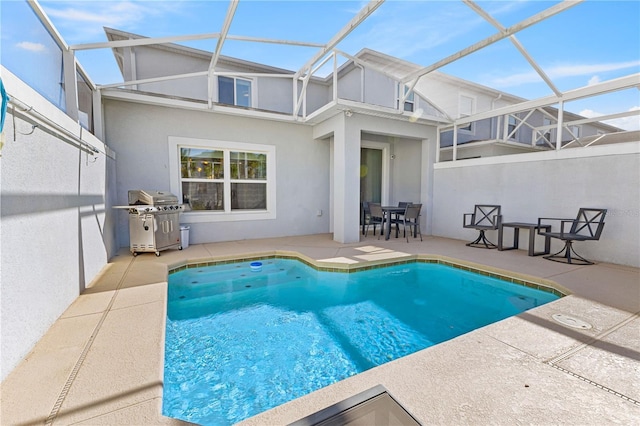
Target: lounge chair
x=585 y=227
x=485 y=217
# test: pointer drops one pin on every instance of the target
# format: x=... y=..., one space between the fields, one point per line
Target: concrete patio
x=102 y=361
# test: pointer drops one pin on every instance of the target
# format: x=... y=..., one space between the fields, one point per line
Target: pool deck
x=101 y=362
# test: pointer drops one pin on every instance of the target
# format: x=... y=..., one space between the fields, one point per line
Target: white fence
x=548 y=184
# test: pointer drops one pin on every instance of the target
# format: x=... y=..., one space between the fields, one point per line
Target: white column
x=560 y=125
x=346 y=179
x=429 y=155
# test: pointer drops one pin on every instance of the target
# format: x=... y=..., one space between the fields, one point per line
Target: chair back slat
x=486 y=215
x=412 y=211
x=376 y=210
x=589 y=223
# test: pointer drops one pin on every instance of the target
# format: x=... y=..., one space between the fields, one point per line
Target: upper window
x=409 y=101
x=575 y=132
x=546 y=122
x=511 y=127
x=234 y=91
x=466 y=110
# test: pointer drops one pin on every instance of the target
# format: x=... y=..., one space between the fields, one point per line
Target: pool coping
x=525 y=280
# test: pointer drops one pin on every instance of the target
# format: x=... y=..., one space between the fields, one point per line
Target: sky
x=591 y=42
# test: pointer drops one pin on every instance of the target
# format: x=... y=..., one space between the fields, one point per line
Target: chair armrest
x=555 y=222
x=465 y=222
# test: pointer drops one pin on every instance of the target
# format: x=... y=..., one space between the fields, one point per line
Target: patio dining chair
x=403 y=204
x=365 y=215
x=397 y=218
x=411 y=218
x=585 y=227
x=375 y=218
x=485 y=217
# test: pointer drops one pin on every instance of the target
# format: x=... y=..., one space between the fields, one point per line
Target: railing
x=544 y=124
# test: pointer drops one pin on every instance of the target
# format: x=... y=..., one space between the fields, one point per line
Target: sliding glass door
x=370 y=175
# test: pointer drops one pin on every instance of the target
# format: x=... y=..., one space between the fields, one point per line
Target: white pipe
x=24 y=108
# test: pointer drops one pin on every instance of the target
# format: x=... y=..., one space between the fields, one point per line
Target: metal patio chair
x=411 y=218
x=365 y=215
x=375 y=218
x=586 y=226
x=485 y=217
x=397 y=219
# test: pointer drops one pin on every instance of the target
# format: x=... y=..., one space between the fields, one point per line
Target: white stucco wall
x=548 y=184
x=56 y=233
x=379 y=89
x=410 y=140
x=150 y=63
x=484 y=149
x=349 y=85
x=302 y=166
x=318 y=95
x=405 y=167
x=275 y=94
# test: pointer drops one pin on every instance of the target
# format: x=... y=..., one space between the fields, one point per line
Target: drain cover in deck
x=570 y=321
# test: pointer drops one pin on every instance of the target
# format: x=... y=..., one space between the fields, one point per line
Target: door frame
x=386 y=154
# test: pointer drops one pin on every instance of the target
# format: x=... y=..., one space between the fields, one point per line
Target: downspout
x=438 y=144
x=455 y=143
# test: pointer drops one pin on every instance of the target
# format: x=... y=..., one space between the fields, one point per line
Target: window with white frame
x=512 y=123
x=575 y=131
x=467 y=106
x=234 y=91
x=225 y=178
x=546 y=122
x=409 y=102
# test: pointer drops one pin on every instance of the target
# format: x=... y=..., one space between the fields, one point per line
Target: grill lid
x=151 y=198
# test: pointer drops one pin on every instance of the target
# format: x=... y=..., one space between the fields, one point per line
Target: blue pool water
x=242 y=339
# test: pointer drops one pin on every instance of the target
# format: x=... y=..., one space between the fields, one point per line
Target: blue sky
x=590 y=42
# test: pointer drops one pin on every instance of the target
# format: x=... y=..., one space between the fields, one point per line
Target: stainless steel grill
x=153 y=221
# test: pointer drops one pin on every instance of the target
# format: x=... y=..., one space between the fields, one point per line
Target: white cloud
x=589 y=113
x=626 y=123
x=593 y=80
x=561 y=71
x=86 y=18
x=30 y=46
x=586 y=69
x=110 y=13
x=403 y=29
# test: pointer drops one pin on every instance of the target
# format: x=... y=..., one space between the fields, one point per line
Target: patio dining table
x=387 y=211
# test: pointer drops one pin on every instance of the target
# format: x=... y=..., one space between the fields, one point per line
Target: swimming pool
x=240 y=340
